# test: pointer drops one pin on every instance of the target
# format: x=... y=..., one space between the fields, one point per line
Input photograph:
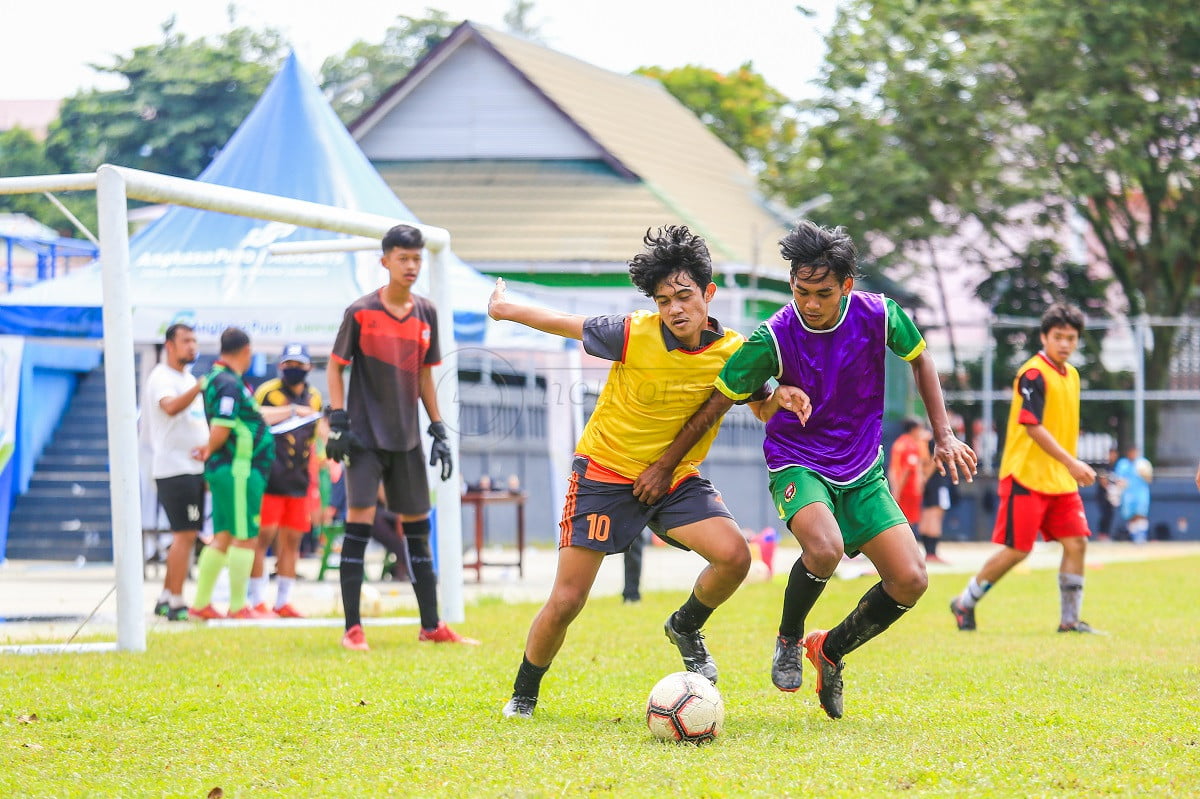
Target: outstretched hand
x=952 y=457
x=498 y=301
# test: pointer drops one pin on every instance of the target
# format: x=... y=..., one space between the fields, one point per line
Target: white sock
x=165 y=596
x=1070 y=589
x=258 y=590
x=974 y=592
x=177 y=601
x=283 y=590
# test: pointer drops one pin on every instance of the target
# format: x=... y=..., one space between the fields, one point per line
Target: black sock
x=801 y=594
x=691 y=615
x=529 y=679
x=930 y=544
x=424 y=578
x=350 y=570
x=876 y=612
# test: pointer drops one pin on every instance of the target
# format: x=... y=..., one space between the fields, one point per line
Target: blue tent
x=213 y=270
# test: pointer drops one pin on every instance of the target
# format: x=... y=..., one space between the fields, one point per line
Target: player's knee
x=738 y=563
x=732 y=558
x=917 y=583
x=822 y=557
x=908 y=586
x=565 y=604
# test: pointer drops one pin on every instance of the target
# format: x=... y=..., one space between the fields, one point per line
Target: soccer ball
x=1144 y=470
x=685 y=707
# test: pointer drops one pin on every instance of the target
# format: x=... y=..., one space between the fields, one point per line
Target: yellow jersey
x=651 y=391
x=1047 y=396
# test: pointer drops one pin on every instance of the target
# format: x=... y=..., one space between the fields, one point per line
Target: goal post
x=114 y=187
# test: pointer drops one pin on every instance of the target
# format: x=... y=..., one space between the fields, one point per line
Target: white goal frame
x=114 y=187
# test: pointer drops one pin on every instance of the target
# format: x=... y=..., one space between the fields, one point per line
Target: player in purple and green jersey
x=826 y=349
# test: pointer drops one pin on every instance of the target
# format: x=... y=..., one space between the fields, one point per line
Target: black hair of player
x=406 y=237
x=234 y=340
x=174 y=329
x=815 y=251
x=910 y=424
x=670 y=250
x=1060 y=314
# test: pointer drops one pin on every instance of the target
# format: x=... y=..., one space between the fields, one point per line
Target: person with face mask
x=286 y=507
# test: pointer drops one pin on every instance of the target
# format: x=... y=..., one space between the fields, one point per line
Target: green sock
x=241 y=561
x=209 y=564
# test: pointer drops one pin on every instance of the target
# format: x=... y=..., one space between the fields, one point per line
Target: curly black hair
x=670 y=250
x=817 y=251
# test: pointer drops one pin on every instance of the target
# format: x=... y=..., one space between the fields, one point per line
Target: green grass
x=1012 y=710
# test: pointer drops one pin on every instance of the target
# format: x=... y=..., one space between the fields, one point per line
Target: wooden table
x=479 y=500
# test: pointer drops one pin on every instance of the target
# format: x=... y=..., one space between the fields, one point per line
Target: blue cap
x=295 y=352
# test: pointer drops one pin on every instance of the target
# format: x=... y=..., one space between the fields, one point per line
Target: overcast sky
x=46 y=45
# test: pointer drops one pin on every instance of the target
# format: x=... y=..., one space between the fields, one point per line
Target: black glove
x=440 y=451
x=341 y=439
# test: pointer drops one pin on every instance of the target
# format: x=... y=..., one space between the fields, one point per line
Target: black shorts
x=607 y=517
x=182 y=497
x=939 y=492
x=405 y=483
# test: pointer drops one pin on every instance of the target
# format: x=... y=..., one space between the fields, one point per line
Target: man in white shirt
x=173 y=410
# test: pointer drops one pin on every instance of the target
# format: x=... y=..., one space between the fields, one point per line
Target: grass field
x=1014 y=709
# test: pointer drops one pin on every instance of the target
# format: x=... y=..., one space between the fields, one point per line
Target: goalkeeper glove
x=440 y=451
x=341 y=440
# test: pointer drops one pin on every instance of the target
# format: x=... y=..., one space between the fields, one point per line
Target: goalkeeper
x=391 y=337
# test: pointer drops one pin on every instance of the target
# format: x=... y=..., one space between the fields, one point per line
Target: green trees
x=22 y=154
x=355 y=80
x=751 y=117
x=1009 y=117
x=184 y=99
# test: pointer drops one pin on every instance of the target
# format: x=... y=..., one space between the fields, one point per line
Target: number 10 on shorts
x=598 y=526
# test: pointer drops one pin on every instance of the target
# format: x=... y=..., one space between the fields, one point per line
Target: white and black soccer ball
x=685 y=707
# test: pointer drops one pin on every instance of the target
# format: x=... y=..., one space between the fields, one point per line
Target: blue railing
x=54 y=257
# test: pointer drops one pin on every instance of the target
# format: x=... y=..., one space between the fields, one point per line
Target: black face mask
x=293 y=376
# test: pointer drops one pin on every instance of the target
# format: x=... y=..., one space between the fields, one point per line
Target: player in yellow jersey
x=1040 y=475
x=664 y=364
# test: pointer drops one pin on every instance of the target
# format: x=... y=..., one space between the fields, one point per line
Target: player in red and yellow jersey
x=664 y=365
x=1040 y=475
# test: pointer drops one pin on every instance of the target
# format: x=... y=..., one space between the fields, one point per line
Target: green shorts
x=863 y=509
x=236 y=500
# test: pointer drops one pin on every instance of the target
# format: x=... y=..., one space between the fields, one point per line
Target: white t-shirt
x=173 y=438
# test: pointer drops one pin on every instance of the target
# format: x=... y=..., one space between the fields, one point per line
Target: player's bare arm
x=335 y=375
x=788 y=398
x=655 y=480
x=429 y=394
x=953 y=457
x=502 y=309
x=1082 y=473
x=217 y=436
x=274 y=414
x=173 y=406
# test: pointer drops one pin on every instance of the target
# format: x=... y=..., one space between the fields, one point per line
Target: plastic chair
x=332 y=533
